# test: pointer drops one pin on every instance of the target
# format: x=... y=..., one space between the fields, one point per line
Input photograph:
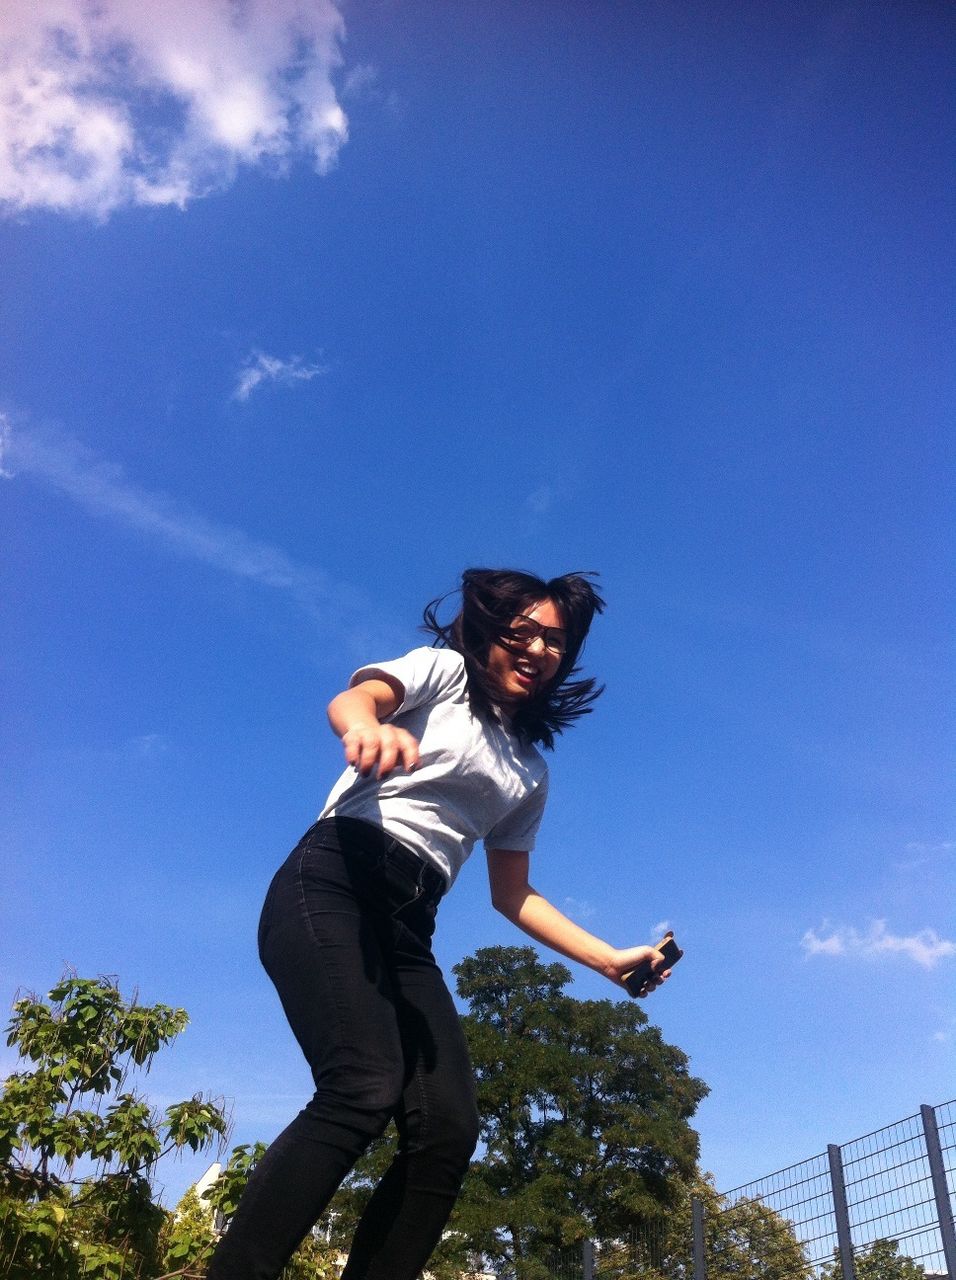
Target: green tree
x=881 y=1261
x=192 y=1230
x=584 y=1111
x=585 y=1124
x=188 y=1236
x=745 y=1240
x=78 y=1145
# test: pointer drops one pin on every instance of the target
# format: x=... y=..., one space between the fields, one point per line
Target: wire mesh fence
x=644 y=1251
x=885 y=1188
x=802 y=1196
x=890 y=1193
x=880 y=1205
x=567 y=1264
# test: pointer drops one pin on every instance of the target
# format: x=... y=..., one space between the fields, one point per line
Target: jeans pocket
x=403 y=889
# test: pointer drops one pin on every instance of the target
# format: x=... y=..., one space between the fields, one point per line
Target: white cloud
x=361 y=85
x=539 y=503
x=659 y=930
x=149 y=745
x=260 y=368
x=925 y=947
x=941 y=848
x=579 y=909
x=361 y=81
x=120 y=102
x=67 y=466
x=922 y=853
x=834 y=945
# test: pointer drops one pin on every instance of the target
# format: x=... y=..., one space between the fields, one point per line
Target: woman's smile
x=522 y=666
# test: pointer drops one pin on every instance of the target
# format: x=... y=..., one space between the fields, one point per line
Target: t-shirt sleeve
x=424 y=674
x=518 y=830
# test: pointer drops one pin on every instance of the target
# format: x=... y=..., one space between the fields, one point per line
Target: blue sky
x=305 y=310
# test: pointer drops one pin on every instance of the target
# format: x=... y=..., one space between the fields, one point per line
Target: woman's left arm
x=515 y=898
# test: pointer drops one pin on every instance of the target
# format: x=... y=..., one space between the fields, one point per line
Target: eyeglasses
x=523 y=630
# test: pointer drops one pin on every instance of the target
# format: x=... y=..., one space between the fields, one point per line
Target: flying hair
x=490 y=601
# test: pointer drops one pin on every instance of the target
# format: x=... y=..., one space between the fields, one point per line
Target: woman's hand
x=625 y=959
x=368 y=745
x=355 y=715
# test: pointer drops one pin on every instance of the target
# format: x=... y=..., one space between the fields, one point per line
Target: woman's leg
x=322 y=946
x=438 y=1128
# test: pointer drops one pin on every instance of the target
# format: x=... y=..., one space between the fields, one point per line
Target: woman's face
x=526 y=664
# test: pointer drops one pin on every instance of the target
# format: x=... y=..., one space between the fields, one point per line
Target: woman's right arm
x=355 y=716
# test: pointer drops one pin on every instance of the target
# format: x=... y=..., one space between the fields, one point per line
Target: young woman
x=440 y=748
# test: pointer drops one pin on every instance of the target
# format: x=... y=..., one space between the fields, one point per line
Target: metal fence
x=646 y=1251
x=889 y=1192
x=895 y=1184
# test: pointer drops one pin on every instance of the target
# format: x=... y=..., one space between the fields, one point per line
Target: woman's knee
x=451 y=1133
x=373 y=1086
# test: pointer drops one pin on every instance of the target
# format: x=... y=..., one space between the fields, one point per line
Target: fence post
x=700 y=1261
x=587 y=1258
x=937 y=1172
x=838 y=1187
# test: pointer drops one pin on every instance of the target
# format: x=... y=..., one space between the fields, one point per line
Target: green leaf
x=83 y=1041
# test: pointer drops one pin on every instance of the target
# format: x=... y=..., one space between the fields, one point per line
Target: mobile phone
x=634 y=981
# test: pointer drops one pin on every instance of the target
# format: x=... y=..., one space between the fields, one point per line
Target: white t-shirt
x=475 y=779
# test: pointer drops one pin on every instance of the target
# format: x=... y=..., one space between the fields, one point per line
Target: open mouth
x=527 y=674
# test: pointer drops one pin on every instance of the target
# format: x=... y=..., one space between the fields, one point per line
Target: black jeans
x=345 y=935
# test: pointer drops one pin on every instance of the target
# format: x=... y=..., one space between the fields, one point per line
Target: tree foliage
x=584 y=1109
x=881 y=1261
x=585 y=1114
x=193 y=1229
x=584 y=1122
x=744 y=1240
x=188 y=1236
x=78 y=1144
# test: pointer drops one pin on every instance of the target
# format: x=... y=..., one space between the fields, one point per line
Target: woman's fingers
x=408 y=749
x=655 y=980
x=634 y=957
x=352 y=742
x=362 y=749
x=396 y=746
x=381 y=745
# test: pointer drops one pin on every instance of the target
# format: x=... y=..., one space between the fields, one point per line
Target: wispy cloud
x=125 y=103
x=925 y=947
x=362 y=85
x=148 y=746
x=261 y=368
x=539 y=502
x=361 y=82
x=67 y=466
x=929 y=849
x=922 y=854
x=579 y=909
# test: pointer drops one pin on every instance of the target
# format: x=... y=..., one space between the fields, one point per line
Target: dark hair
x=490 y=601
